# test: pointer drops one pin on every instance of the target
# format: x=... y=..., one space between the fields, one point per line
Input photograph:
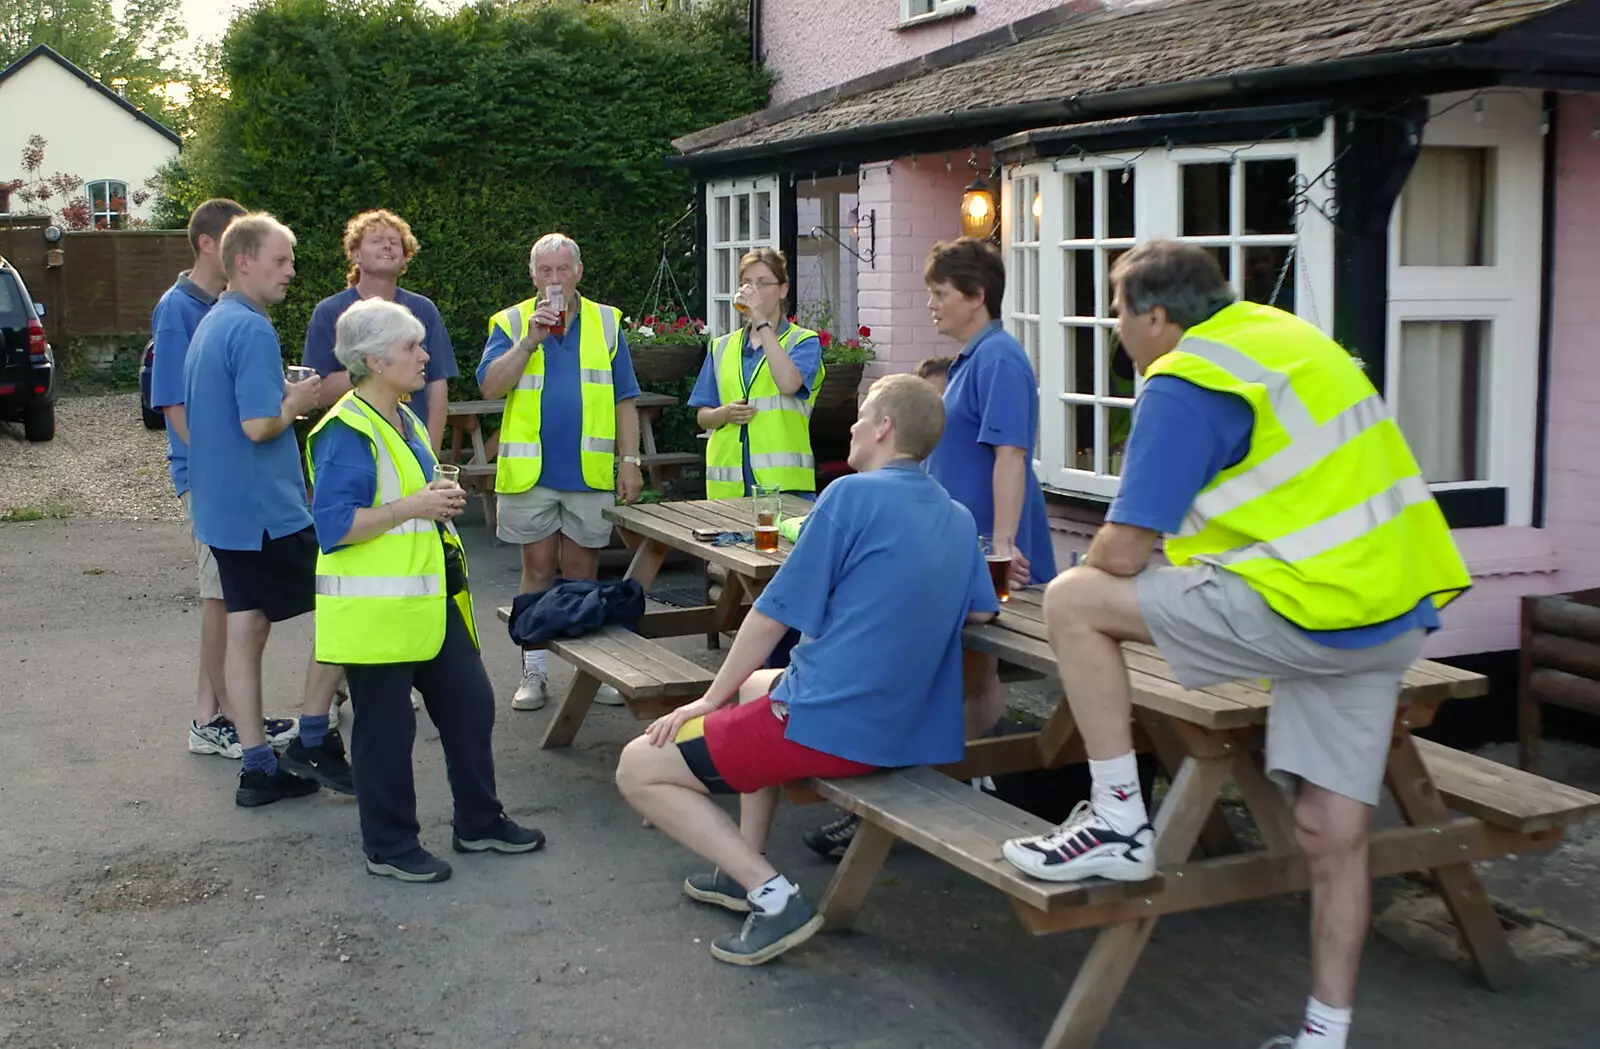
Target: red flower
x=649 y=321
x=825 y=338
x=864 y=331
x=791 y=318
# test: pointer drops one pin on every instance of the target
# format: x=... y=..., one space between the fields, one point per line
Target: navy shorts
x=279 y=580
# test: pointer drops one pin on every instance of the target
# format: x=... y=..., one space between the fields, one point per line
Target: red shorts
x=741 y=749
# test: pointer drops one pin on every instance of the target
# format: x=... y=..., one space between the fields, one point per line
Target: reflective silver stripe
x=602 y=376
x=719 y=347
x=411 y=527
x=608 y=325
x=1330 y=533
x=598 y=444
x=780 y=459
x=514 y=318
x=531 y=382
x=733 y=474
x=781 y=403
x=520 y=450
x=378 y=586
x=1302 y=453
x=1290 y=410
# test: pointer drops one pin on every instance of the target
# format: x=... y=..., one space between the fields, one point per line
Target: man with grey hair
x=570 y=433
x=249 y=501
x=1305 y=548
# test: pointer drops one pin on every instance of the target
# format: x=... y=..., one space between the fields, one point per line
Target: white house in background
x=92 y=132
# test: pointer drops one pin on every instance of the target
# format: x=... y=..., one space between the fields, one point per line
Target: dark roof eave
x=1107 y=104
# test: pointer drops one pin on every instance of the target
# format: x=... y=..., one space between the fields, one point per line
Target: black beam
x=1547 y=268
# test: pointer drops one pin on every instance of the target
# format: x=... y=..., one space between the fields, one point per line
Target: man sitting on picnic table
x=1305 y=547
x=886 y=572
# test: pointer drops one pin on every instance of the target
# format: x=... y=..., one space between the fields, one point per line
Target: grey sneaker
x=216 y=736
x=532 y=693
x=609 y=697
x=765 y=936
x=1280 y=1042
x=718 y=889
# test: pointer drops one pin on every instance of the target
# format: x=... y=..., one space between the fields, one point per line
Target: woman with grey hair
x=392 y=602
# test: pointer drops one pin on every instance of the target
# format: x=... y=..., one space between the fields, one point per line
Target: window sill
x=943 y=13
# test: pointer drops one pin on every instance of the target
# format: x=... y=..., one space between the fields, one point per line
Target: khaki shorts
x=210 y=581
x=1333 y=709
x=539 y=513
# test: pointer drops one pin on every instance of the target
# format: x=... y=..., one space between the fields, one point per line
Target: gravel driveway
x=102 y=463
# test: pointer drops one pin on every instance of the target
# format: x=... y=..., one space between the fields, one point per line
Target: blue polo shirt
x=320 y=333
x=561 y=403
x=1183 y=436
x=172 y=324
x=879 y=586
x=239 y=489
x=807 y=357
x=347 y=477
x=991 y=399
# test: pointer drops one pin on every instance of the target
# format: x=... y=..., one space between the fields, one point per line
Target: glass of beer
x=768 y=506
x=997 y=552
x=293 y=373
x=556 y=296
x=447 y=472
x=738 y=303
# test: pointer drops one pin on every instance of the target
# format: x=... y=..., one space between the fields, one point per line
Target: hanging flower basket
x=845 y=360
x=665 y=348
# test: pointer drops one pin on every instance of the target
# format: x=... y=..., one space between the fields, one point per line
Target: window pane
x=1119 y=203
x=1111 y=257
x=1080 y=282
x=1207 y=210
x=1030 y=341
x=1119 y=422
x=1443 y=409
x=1030 y=283
x=1447 y=208
x=1269 y=196
x=720 y=228
x=1080 y=437
x=742 y=226
x=1224 y=258
x=1262 y=267
x=722 y=271
x=1080 y=359
x=1035 y=204
x=724 y=316
x=1080 y=205
x=764 y=217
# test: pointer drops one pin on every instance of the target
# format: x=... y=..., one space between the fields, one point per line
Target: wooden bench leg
x=1463 y=893
x=857 y=871
x=570 y=714
x=1216 y=838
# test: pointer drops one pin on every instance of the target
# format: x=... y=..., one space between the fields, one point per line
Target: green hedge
x=483 y=129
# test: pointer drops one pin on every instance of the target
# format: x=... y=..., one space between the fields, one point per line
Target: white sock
x=1116 y=795
x=771 y=896
x=535 y=659
x=1325 y=1027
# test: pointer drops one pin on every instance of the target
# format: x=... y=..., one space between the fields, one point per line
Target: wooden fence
x=108 y=281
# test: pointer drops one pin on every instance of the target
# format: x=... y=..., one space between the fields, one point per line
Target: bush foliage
x=483 y=129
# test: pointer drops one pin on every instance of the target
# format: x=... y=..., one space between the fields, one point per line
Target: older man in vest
x=570 y=434
x=1305 y=548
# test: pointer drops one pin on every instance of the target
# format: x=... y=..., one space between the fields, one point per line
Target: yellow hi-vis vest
x=1328 y=516
x=779 y=433
x=521 y=458
x=384 y=600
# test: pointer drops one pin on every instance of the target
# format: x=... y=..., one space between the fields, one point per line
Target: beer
x=1000 y=576
x=556 y=296
x=767 y=538
x=768 y=507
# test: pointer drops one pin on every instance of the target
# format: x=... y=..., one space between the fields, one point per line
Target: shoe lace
x=1082 y=814
x=840 y=827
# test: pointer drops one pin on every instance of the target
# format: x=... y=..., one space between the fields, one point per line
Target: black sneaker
x=504 y=836
x=718 y=889
x=832 y=839
x=324 y=762
x=257 y=788
x=765 y=936
x=419 y=866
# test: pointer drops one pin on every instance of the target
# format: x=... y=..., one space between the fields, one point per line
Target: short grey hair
x=554 y=242
x=1182 y=279
x=370 y=328
x=245 y=235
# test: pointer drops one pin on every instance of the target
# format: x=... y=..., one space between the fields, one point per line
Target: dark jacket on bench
x=573 y=608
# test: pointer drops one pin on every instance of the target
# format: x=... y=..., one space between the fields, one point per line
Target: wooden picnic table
x=1457 y=808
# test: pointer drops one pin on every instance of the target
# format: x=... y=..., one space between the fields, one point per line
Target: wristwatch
x=633 y=460
x=763 y=324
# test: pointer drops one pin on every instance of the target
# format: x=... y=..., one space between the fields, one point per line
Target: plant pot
x=840 y=388
x=665 y=362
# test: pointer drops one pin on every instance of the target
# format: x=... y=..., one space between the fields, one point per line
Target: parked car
x=154 y=418
x=27 y=363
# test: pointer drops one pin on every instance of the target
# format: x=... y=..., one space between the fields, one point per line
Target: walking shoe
x=504 y=836
x=1280 y=1042
x=280 y=731
x=718 y=889
x=765 y=936
x=831 y=840
x=256 y=788
x=416 y=700
x=325 y=763
x=1085 y=846
x=609 y=697
x=216 y=736
x=532 y=693
x=420 y=866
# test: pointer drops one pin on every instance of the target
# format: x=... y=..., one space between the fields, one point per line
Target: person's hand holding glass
x=444 y=498
x=300 y=388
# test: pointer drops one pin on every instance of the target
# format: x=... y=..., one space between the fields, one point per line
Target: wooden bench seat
x=670 y=459
x=1502 y=795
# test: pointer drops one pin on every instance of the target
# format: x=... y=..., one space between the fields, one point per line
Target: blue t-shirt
x=172 y=324
x=991 y=398
x=320 y=332
x=347 y=476
x=1184 y=435
x=239 y=488
x=807 y=357
x=561 y=404
x=879 y=585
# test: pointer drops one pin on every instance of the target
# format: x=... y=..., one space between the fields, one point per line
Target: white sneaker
x=532 y=693
x=416 y=700
x=609 y=697
x=1085 y=846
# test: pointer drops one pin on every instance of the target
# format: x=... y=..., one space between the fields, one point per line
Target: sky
x=208 y=19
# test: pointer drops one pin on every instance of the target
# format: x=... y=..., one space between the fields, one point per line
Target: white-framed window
x=741 y=213
x=1241 y=202
x=108 y=203
x=1464 y=266
x=910 y=9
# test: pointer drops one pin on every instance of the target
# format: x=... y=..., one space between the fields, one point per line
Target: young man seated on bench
x=886 y=572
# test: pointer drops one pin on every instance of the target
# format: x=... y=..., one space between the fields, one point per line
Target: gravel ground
x=102 y=463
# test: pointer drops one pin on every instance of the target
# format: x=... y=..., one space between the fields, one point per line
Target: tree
x=139 y=48
x=59 y=195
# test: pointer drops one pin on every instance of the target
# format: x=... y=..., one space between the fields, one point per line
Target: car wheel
x=153 y=419
x=40 y=423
